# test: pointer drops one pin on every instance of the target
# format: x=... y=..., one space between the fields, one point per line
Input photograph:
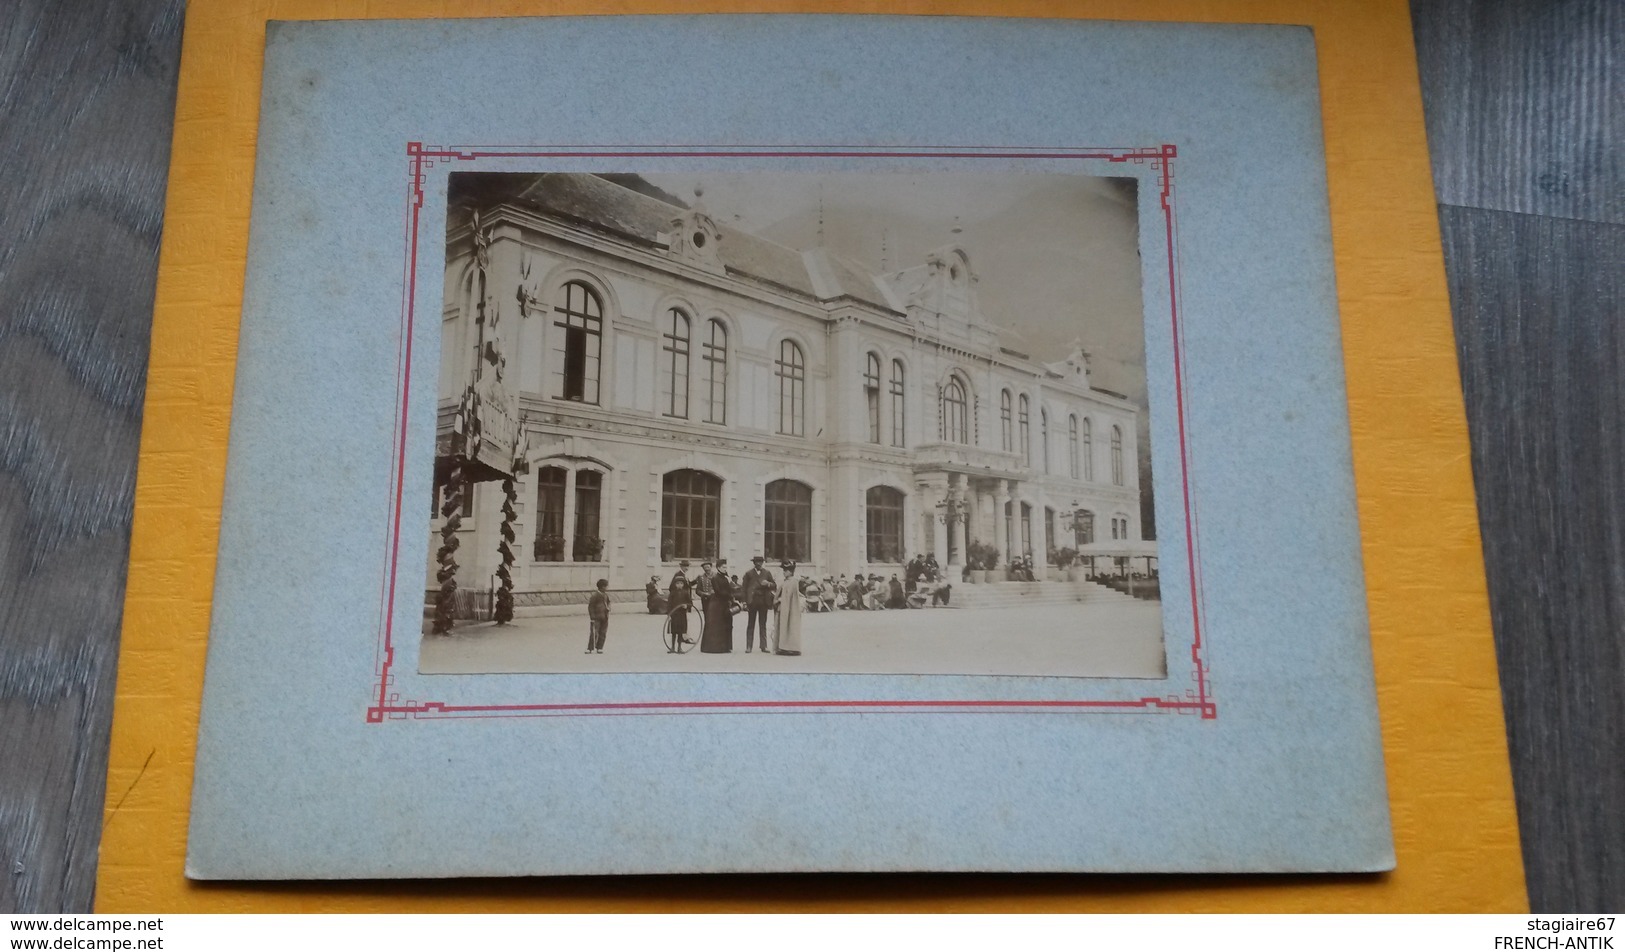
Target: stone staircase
x=1018 y=594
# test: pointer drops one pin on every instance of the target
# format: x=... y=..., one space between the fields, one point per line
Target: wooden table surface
x=1523 y=104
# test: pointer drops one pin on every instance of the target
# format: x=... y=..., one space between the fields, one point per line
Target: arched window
x=899 y=427
x=953 y=412
x=787 y=532
x=586 y=545
x=883 y=508
x=871 y=394
x=550 y=483
x=1072 y=443
x=1026 y=442
x=1043 y=435
x=1006 y=427
x=674 y=362
x=577 y=343
x=791 y=369
x=1117 y=456
x=1088 y=450
x=714 y=354
x=690 y=513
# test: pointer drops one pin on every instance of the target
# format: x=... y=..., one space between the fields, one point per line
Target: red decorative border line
x=388 y=705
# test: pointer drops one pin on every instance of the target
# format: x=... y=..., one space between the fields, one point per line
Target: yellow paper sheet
x=1454 y=825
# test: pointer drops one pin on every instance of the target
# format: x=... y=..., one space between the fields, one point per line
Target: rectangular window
x=899 y=430
x=787 y=521
x=884 y=524
x=1072 y=444
x=1087 y=454
x=468 y=499
x=575 y=363
x=549 y=546
x=675 y=365
x=871 y=396
x=791 y=369
x=715 y=356
x=441 y=493
x=1083 y=527
x=1026 y=442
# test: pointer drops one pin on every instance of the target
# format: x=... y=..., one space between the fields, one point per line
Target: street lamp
x=952 y=509
x=1075 y=518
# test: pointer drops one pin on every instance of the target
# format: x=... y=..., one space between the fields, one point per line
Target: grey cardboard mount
x=322 y=753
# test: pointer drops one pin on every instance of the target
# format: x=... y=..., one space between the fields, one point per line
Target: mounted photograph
x=777 y=422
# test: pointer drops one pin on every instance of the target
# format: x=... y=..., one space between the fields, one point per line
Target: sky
x=1056 y=255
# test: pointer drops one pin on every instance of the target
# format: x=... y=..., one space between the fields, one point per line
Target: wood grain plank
x=1537 y=303
x=1523 y=104
x=86 y=110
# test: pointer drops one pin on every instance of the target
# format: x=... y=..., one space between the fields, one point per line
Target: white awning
x=1130 y=548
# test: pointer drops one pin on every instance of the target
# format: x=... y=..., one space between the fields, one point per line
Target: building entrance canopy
x=943 y=458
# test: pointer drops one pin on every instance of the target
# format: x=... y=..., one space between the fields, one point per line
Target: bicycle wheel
x=686 y=643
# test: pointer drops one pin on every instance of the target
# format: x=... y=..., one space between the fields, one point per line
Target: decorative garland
x=452 y=510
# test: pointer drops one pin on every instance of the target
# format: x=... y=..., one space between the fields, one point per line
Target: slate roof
x=629 y=208
x=856 y=281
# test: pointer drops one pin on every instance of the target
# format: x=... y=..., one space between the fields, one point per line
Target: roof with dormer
x=627 y=208
x=597 y=204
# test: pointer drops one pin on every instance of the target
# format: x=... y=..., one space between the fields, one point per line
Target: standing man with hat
x=761 y=593
x=703 y=584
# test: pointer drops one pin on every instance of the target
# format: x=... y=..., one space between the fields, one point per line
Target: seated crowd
x=923 y=584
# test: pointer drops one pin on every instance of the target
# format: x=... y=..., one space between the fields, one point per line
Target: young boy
x=598 y=617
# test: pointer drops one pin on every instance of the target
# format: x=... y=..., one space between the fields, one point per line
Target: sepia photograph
x=792 y=422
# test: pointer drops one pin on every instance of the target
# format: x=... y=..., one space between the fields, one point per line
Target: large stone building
x=687 y=390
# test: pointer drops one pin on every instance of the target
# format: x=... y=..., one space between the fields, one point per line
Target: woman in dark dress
x=718 y=637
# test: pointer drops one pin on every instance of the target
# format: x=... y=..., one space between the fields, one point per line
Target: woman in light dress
x=787 y=619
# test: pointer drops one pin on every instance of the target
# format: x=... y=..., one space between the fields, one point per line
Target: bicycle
x=685 y=644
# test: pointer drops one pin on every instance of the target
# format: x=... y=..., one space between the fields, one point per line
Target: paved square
x=1107 y=640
